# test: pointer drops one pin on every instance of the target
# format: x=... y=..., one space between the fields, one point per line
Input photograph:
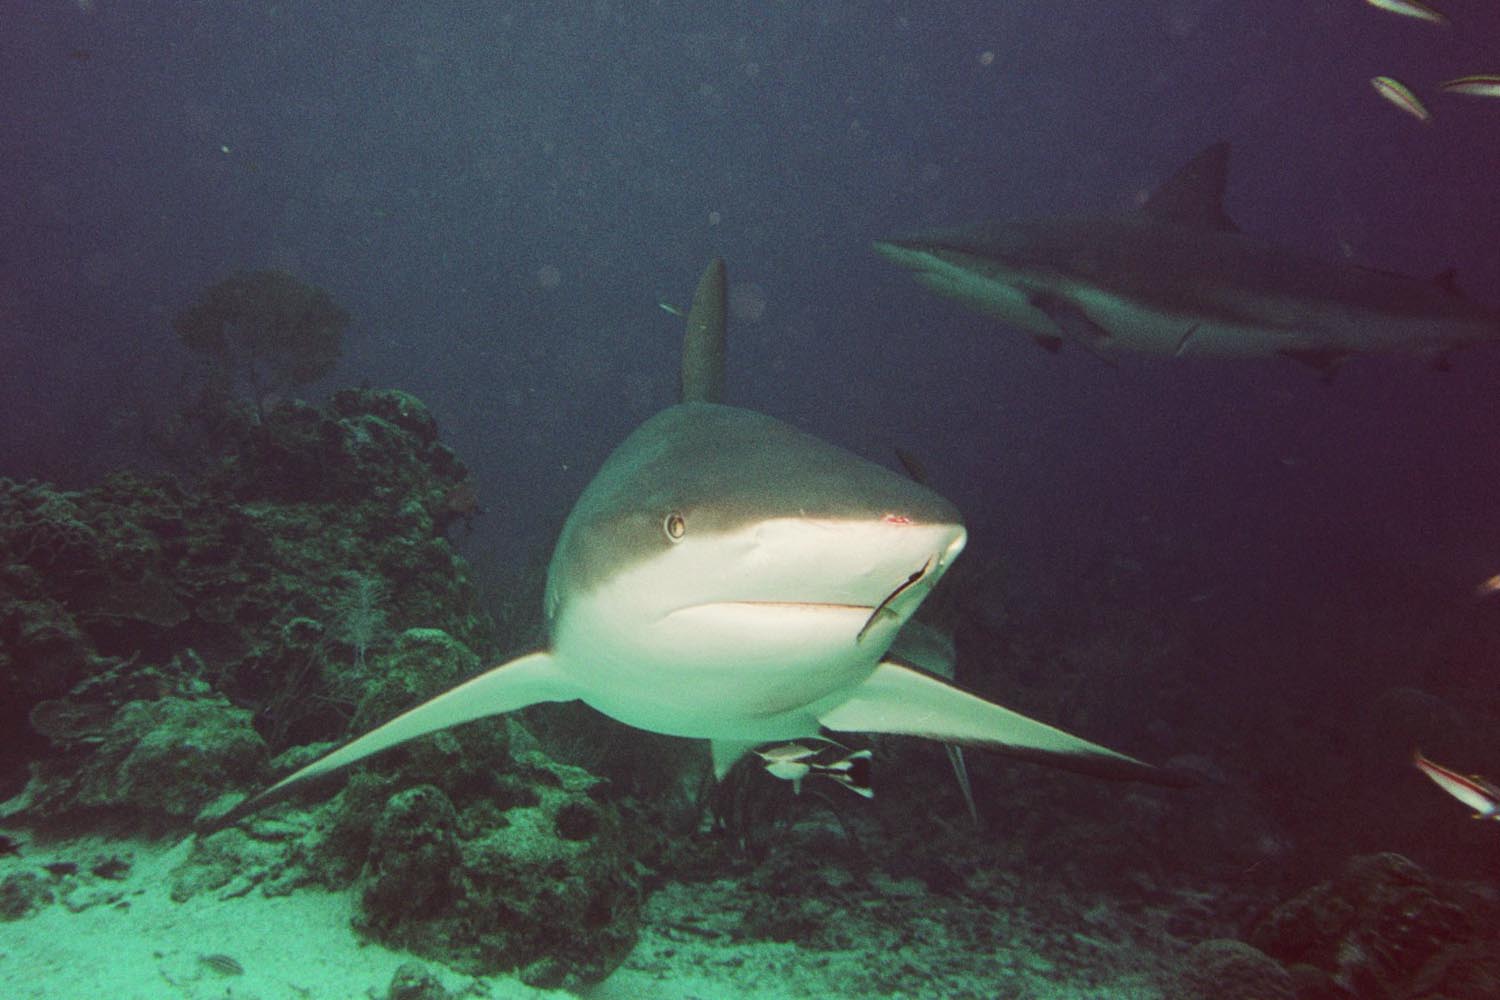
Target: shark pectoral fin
x=726 y=754
x=1070 y=319
x=1074 y=324
x=1182 y=343
x=1325 y=360
x=925 y=647
x=524 y=681
x=900 y=699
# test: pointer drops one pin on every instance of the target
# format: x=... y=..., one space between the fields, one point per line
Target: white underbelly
x=721 y=671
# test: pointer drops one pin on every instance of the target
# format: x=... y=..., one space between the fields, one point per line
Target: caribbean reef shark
x=1179 y=278
x=729 y=578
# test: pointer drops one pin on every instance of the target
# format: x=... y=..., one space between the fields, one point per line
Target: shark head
x=992 y=269
x=725 y=573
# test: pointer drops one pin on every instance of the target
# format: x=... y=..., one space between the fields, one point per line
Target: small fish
x=1409 y=8
x=1477 y=793
x=668 y=307
x=1488 y=588
x=1400 y=95
x=224 y=965
x=1478 y=85
x=795 y=761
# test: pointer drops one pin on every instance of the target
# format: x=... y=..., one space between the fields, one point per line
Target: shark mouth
x=884 y=607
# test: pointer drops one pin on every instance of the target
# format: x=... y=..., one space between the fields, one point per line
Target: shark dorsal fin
x=703 y=344
x=1194 y=196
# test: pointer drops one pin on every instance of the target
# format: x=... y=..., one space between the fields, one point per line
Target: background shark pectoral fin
x=1070 y=319
x=527 y=680
x=1324 y=360
x=901 y=699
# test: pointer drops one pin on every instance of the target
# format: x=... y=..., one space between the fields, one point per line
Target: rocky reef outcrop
x=1385 y=929
x=168 y=646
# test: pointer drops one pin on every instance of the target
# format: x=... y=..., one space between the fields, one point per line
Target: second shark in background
x=1178 y=278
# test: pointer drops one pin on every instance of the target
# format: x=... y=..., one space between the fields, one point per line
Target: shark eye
x=675 y=526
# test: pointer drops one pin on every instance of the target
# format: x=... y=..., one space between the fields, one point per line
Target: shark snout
x=896 y=251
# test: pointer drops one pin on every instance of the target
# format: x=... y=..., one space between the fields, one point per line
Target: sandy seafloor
x=126 y=939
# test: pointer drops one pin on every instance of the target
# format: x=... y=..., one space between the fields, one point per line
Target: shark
x=1179 y=278
x=730 y=578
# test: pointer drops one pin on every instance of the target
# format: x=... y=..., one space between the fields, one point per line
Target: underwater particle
x=224 y=965
x=747 y=302
x=1400 y=95
x=1409 y=8
x=714 y=218
x=1475 y=85
x=986 y=58
x=548 y=276
x=1488 y=587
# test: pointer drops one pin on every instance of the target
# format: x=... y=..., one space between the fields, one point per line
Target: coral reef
x=1230 y=970
x=165 y=648
x=1384 y=929
x=543 y=887
x=264 y=331
x=162 y=759
x=309 y=542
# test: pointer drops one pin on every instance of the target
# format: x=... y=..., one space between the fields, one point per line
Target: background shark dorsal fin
x=703 y=345
x=1194 y=196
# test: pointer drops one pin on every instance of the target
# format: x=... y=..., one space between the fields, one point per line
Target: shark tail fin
x=901 y=699
x=703 y=345
x=524 y=681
